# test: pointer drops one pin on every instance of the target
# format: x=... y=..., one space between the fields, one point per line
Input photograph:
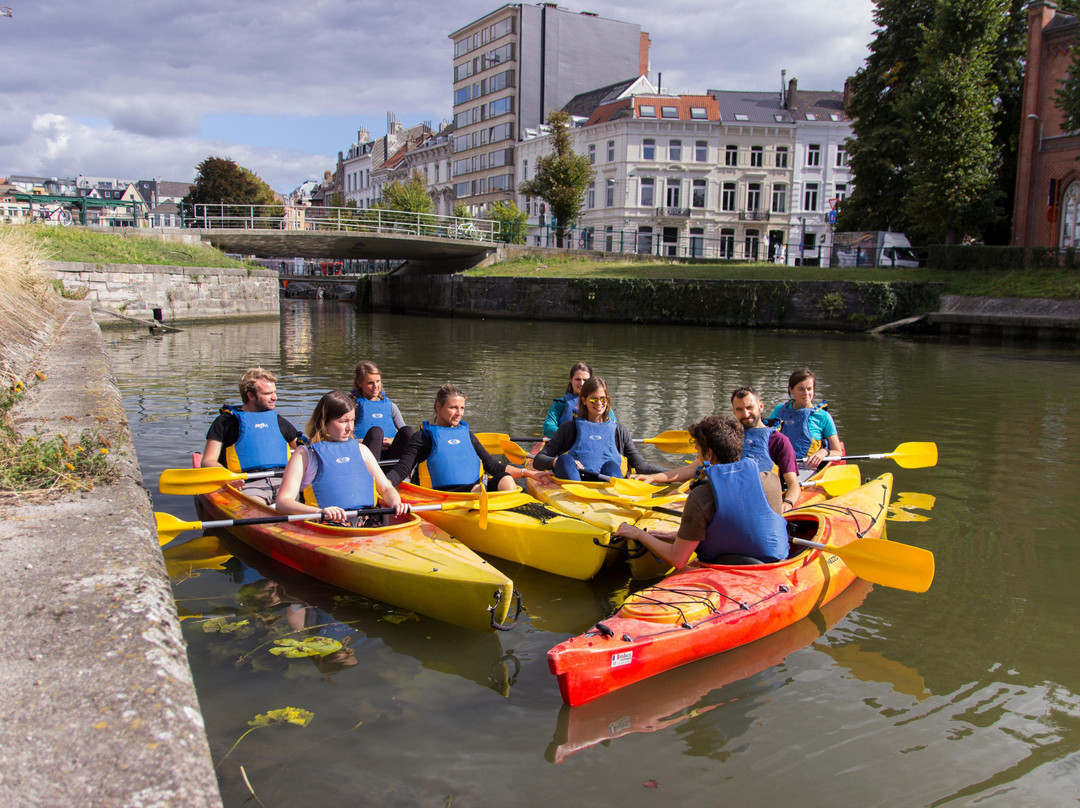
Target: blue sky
x=145 y=88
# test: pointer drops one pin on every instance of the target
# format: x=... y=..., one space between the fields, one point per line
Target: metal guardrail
x=344 y=220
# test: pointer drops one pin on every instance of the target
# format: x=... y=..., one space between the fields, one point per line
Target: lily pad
x=308 y=647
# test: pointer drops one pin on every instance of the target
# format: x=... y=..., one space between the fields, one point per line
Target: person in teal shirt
x=808 y=426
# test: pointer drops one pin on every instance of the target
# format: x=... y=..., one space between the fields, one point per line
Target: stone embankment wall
x=845 y=306
x=171 y=293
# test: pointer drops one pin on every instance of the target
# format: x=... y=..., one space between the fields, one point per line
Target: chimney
x=363 y=135
x=792 y=94
x=783 y=81
x=849 y=93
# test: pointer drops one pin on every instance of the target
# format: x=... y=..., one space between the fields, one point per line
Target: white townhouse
x=822 y=176
x=356 y=170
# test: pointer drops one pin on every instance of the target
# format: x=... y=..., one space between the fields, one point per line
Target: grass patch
x=91 y=247
x=1059 y=284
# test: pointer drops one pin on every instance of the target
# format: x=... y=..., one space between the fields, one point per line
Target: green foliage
x=286 y=715
x=307 y=647
x=511 y=222
x=410 y=195
x=220 y=181
x=461 y=210
x=86 y=246
x=561 y=177
x=1067 y=98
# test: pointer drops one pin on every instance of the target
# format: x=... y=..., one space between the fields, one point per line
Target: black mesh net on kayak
x=537 y=510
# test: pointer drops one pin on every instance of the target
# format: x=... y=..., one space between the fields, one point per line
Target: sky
x=143 y=89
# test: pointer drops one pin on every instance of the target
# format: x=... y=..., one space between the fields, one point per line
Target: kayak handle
x=514 y=620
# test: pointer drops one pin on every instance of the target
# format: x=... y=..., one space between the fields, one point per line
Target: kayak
x=408 y=563
x=530 y=534
x=705 y=608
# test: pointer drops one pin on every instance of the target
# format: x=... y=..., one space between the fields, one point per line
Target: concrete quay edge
x=97 y=702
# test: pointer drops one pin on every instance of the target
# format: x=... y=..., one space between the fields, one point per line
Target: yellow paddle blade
x=674 y=441
x=195 y=481
x=169 y=527
x=512 y=451
x=887 y=563
x=491 y=440
x=632 y=487
x=481 y=521
x=915 y=455
x=837 y=480
x=645 y=502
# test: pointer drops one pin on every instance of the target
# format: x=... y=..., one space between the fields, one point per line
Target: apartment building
x=514 y=65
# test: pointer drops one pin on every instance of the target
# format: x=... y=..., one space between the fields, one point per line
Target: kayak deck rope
x=536 y=510
x=855 y=513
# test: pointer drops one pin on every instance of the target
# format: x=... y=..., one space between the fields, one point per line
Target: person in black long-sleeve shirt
x=592 y=444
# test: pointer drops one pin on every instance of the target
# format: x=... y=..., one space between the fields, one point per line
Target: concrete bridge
x=428 y=243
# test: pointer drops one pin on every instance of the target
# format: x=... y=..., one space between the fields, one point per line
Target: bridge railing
x=346 y=220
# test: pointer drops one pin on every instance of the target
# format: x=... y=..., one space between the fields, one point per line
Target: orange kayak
x=706 y=609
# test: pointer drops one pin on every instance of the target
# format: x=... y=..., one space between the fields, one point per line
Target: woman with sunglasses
x=593 y=443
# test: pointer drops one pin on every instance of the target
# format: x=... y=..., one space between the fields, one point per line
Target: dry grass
x=29 y=302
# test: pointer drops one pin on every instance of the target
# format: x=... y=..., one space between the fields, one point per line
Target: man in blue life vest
x=252 y=438
x=764 y=443
x=732 y=514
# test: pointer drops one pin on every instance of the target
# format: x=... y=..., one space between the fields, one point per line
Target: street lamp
x=1034 y=117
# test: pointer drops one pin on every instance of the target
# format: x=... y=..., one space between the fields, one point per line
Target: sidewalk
x=97 y=704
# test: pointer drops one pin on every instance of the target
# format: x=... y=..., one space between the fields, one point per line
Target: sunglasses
x=597 y=400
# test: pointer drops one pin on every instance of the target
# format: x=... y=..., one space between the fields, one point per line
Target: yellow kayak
x=529 y=534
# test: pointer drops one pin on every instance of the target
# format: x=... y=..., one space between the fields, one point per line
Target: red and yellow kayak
x=706 y=609
x=409 y=563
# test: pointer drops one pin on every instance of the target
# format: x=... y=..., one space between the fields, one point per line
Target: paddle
x=888 y=563
x=203 y=481
x=169 y=525
x=914 y=455
x=836 y=480
x=491 y=441
x=515 y=454
x=647 y=503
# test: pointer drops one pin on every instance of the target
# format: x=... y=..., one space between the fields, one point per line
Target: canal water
x=967 y=694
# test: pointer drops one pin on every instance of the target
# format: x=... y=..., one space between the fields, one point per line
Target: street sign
x=830 y=217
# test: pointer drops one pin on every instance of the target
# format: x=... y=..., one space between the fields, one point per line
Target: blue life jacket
x=342 y=478
x=795 y=425
x=595 y=444
x=571 y=402
x=260 y=445
x=744 y=523
x=756 y=445
x=453 y=460
x=379 y=412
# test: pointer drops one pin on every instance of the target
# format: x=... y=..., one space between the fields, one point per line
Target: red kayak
x=706 y=609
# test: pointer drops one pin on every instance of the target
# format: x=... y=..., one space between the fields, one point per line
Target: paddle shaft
x=306 y=517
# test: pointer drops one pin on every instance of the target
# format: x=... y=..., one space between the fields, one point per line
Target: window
x=698 y=113
x=697 y=242
x=841 y=157
x=757 y=156
x=753 y=241
x=524 y=169
x=502 y=106
x=609 y=198
x=727 y=243
x=675 y=150
x=648 y=149
x=813 y=155
x=674 y=187
x=731 y=155
x=841 y=191
x=592 y=154
x=727 y=197
x=648 y=192
x=697 y=200
x=609 y=238
x=753 y=196
x=810 y=195
x=611 y=151
x=646 y=111
x=779 y=198
x=669 y=112
x=781 y=156
x=462 y=96
x=590 y=196
x=644 y=240
x=701 y=151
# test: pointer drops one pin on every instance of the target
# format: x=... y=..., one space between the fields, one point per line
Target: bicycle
x=56 y=215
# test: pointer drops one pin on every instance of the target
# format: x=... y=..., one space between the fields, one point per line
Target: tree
x=1067 y=98
x=410 y=195
x=950 y=119
x=219 y=181
x=561 y=176
x=510 y=221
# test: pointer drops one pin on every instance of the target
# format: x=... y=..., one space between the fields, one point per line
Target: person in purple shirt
x=764 y=444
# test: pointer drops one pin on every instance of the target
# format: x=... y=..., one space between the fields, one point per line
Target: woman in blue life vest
x=449 y=457
x=335 y=471
x=809 y=427
x=564 y=408
x=732 y=514
x=378 y=419
x=593 y=443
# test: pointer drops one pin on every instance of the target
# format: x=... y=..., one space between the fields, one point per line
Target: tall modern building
x=511 y=68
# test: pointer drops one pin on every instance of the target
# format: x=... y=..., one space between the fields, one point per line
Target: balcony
x=672 y=213
x=753 y=215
